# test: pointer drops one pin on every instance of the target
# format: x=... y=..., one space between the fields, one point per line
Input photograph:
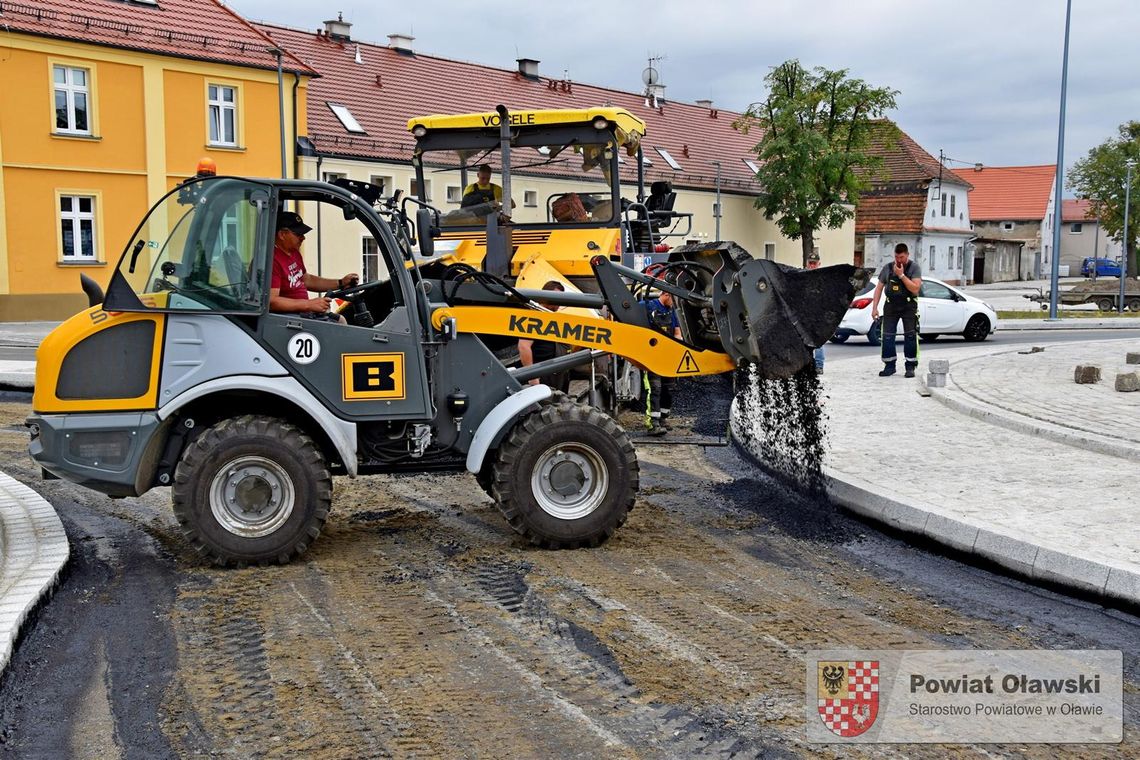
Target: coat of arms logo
x=848 y=696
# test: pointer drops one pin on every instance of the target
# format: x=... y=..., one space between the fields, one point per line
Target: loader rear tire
x=566 y=475
x=252 y=489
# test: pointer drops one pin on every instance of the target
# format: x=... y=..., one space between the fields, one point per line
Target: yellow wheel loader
x=181 y=376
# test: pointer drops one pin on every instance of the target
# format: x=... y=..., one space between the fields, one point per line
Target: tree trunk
x=807 y=243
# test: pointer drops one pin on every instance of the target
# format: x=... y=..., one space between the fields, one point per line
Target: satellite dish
x=650 y=76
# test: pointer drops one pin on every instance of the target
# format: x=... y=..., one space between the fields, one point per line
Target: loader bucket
x=767 y=314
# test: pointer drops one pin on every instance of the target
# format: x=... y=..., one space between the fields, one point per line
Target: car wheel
x=929 y=337
x=875 y=334
x=977 y=328
x=837 y=338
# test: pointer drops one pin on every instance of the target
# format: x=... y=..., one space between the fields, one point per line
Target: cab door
x=360 y=373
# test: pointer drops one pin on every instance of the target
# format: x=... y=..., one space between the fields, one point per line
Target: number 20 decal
x=304 y=348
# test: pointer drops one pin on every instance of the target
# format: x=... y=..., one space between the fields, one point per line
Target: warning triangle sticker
x=688 y=365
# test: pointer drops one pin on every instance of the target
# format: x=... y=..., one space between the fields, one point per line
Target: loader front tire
x=565 y=476
x=252 y=489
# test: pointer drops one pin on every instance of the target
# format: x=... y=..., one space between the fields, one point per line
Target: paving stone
x=935 y=381
x=938 y=366
x=1127 y=382
x=1132 y=357
x=1086 y=374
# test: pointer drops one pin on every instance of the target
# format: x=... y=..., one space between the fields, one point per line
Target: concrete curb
x=35 y=549
x=1080 y=323
x=1026 y=558
x=1031 y=560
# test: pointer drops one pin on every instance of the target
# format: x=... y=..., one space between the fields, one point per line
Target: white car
x=942 y=310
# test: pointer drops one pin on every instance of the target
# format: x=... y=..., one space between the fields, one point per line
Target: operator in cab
x=291 y=282
x=483 y=190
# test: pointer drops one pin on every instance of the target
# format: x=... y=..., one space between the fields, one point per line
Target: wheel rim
x=977 y=328
x=252 y=496
x=569 y=481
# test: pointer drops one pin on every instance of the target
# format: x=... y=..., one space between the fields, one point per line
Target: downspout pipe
x=296 y=158
x=281 y=110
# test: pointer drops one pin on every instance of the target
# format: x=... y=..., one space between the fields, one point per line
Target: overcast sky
x=979 y=79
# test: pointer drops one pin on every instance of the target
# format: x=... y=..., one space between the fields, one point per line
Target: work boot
x=910 y=367
x=656 y=429
x=887 y=370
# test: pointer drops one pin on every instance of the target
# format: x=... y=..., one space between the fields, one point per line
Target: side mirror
x=427 y=230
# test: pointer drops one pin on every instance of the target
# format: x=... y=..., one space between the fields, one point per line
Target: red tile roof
x=896 y=202
x=198 y=29
x=886 y=212
x=388 y=87
x=1076 y=211
x=904 y=160
x=1009 y=193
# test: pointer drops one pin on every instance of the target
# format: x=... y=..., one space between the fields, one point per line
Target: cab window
x=197 y=251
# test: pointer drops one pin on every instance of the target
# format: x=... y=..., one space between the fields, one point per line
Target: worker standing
x=660 y=389
x=817 y=355
x=901 y=281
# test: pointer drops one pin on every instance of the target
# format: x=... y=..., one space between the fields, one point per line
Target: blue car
x=1104 y=267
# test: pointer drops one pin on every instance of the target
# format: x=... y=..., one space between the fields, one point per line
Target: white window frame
x=387 y=181
x=412 y=189
x=953 y=203
x=943 y=204
x=369 y=248
x=454 y=193
x=1007 y=226
x=330 y=176
x=71 y=90
x=769 y=248
x=75 y=218
x=1076 y=228
x=530 y=198
x=216 y=110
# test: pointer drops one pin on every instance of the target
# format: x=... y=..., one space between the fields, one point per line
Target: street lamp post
x=1124 y=237
x=1055 y=261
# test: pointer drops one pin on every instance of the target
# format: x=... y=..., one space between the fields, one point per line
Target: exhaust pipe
x=92 y=289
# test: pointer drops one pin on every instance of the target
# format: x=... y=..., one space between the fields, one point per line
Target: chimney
x=338 y=29
x=977 y=167
x=706 y=104
x=528 y=67
x=402 y=43
x=358 y=58
x=654 y=95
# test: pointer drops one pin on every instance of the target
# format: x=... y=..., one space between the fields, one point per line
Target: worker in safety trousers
x=900 y=281
x=660 y=389
x=817 y=355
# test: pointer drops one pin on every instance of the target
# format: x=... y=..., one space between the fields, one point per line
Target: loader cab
x=560 y=174
x=197 y=251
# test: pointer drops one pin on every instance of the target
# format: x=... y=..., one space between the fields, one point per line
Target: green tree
x=1100 y=177
x=815 y=128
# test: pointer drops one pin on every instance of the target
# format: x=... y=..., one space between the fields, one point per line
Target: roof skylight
x=346 y=118
x=669 y=159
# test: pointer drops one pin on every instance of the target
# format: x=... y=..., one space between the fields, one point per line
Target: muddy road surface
x=419 y=626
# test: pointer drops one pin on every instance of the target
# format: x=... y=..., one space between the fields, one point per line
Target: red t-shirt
x=289 y=274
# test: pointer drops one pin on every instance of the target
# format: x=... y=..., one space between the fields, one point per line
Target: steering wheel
x=354 y=290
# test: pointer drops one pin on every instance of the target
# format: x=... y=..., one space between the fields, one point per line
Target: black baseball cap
x=292 y=221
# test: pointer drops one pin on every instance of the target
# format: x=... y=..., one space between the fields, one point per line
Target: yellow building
x=104 y=108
